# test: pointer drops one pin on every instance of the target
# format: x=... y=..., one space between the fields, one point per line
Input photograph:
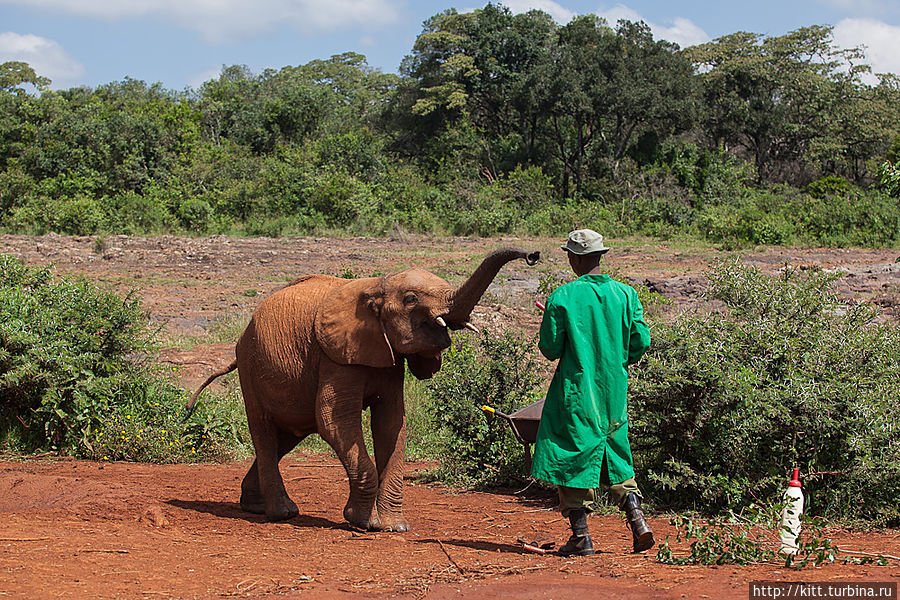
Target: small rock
x=155 y=517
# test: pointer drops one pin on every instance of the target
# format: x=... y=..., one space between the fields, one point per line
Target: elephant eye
x=410 y=299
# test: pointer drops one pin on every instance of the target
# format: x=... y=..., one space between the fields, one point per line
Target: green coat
x=596 y=327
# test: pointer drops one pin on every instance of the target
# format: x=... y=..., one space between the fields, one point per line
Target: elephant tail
x=192 y=403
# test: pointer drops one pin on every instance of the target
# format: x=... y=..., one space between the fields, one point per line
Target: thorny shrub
x=77 y=376
x=723 y=405
x=499 y=371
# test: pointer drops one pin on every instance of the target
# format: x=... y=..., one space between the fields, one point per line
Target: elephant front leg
x=339 y=419
x=389 y=437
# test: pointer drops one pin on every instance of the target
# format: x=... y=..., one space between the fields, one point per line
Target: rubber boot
x=640 y=531
x=580 y=542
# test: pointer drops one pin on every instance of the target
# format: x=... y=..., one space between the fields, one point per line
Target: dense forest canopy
x=497 y=122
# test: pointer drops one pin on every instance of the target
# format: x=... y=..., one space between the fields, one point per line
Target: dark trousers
x=571 y=498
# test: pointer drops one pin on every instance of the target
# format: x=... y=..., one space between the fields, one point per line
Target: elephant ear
x=348 y=325
x=423 y=367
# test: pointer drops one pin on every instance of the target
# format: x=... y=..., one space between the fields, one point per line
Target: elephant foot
x=362 y=519
x=257 y=508
x=282 y=510
x=391 y=522
x=252 y=502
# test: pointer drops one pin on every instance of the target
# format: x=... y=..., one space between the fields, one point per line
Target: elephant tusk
x=471 y=327
x=441 y=321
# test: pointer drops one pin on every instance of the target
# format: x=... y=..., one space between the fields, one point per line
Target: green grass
x=226 y=328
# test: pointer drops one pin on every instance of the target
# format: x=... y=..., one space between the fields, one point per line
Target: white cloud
x=881 y=41
x=198 y=79
x=46 y=57
x=222 y=20
x=681 y=31
x=560 y=14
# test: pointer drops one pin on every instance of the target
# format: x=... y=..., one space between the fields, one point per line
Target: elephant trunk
x=469 y=293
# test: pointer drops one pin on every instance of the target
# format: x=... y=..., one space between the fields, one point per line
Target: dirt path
x=72 y=529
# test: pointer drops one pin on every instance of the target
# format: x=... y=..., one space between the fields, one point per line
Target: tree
x=293 y=104
x=785 y=100
x=15 y=73
x=607 y=87
x=574 y=96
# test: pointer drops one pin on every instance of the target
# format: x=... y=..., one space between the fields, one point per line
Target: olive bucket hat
x=585 y=241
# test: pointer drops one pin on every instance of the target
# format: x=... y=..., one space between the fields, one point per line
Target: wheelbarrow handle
x=493 y=411
x=512 y=423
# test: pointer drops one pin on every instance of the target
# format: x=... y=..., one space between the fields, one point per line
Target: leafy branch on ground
x=752 y=537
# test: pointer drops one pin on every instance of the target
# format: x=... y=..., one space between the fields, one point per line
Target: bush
x=500 y=372
x=131 y=214
x=723 y=405
x=831 y=185
x=482 y=210
x=559 y=219
x=78 y=215
x=889 y=179
x=76 y=375
x=855 y=219
x=196 y=214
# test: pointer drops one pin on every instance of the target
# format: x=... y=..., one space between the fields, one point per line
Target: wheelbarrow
x=523 y=422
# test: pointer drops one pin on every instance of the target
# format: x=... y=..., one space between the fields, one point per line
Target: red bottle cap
x=795 y=480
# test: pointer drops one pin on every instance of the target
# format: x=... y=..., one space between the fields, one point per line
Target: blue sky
x=182 y=43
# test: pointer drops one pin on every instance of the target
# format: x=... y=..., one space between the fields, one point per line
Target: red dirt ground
x=76 y=529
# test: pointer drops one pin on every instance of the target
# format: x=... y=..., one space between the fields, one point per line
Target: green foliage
x=147 y=430
x=889 y=178
x=346 y=272
x=77 y=215
x=503 y=205
x=759 y=219
x=784 y=98
x=15 y=73
x=725 y=404
x=827 y=216
x=77 y=376
x=831 y=185
x=502 y=123
x=499 y=372
x=549 y=281
x=196 y=214
x=752 y=537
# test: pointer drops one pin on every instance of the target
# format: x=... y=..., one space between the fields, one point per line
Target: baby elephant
x=320 y=351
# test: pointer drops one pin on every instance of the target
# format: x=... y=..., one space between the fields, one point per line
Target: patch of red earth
x=75 y=529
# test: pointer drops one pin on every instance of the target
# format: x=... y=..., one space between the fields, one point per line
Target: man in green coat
x=595 y=327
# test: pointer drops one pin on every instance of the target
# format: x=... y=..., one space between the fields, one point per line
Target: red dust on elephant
x=323 y=349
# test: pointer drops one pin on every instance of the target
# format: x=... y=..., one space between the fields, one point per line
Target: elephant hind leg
x=252 y=499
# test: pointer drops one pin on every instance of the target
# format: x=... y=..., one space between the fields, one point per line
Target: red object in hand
x=540 y=304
